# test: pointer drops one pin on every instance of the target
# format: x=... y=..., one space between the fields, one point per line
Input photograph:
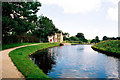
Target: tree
x=74 y=38
x=97 y=39
x=93 y=41
x=18 y=17
x=105 y=38
x=44 y=28
x=81 y=37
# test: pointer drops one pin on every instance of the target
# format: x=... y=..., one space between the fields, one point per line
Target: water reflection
x=77 y=61
x=45 y=59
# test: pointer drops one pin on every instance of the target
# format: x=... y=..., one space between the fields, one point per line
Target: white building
x=58 y=37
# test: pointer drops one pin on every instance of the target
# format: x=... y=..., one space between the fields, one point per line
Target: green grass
x=7 y=46
x=20 y=58
x=73 y=42
x=109 y=46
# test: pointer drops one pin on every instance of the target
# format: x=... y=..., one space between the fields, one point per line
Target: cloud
x=85 y=6
x=75 y=6
x=113 y=1
x=112 y=14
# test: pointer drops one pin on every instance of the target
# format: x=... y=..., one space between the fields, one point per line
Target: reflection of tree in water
x=45 y=59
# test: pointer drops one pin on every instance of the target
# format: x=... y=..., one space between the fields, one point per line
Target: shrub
x=19 y=39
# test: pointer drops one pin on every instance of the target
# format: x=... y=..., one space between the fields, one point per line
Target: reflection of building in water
x=56 y=52
x=52 y=51
x=61 y=46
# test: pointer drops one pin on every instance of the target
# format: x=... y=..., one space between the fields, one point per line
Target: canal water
x=76 y=61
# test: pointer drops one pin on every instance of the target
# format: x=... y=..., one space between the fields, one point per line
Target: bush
x=73 y=38
x=19 y=39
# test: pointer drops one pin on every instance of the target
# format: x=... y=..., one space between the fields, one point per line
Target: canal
x=76 y=61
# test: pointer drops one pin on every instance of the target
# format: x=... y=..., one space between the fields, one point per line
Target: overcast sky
x=91 y=17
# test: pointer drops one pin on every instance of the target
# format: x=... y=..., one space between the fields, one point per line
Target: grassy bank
x=24 y=64
x=7 y=46
x=109 y=46
x=73 y=42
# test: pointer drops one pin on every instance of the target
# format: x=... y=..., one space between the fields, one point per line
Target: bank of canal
x=76 y=61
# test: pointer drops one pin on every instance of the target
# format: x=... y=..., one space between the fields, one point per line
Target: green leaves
x=18 y=17
x=81 y=37
x=45 y=27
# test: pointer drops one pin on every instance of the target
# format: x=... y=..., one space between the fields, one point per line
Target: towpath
x=7 y=67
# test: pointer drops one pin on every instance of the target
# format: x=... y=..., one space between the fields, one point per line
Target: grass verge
x=109 y=47
x=7 y=46
x=24 y=64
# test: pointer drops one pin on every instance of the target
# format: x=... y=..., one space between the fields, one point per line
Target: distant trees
x=66 y=36
x=74 y=38
x=110 y=38
x=93 y=41
x=81 y=37
x=96 y=40
x=105 y=38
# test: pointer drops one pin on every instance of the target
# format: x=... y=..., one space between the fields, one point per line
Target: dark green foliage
x=110 y=38
x=65 y=38
x=93 y=41
x=118 y=38
x=66 y=34
x=73 y=38
x=19 y=39
x=105 y=38
x=81 y=37
x=19 y=18
x=11 y=13
x=7 y=25
x=45 y=27
x=96 y=40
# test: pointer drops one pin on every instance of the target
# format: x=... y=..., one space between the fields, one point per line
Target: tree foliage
x=74 y=38
x=96 y=40
x=81 y=37
x=18 y=17
x=44 y=28
x=105 y=38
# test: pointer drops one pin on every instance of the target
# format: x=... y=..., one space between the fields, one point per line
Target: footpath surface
x=7 y=67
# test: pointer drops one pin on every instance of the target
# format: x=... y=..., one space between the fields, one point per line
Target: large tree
x=44 y=28
x=81 y=37
x=105 y=38
x=19 y=17
x=97 y=39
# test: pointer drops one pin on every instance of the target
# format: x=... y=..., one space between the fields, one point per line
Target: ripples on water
x=76 y=61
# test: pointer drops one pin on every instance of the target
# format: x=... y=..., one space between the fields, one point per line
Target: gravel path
x=7 y=67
